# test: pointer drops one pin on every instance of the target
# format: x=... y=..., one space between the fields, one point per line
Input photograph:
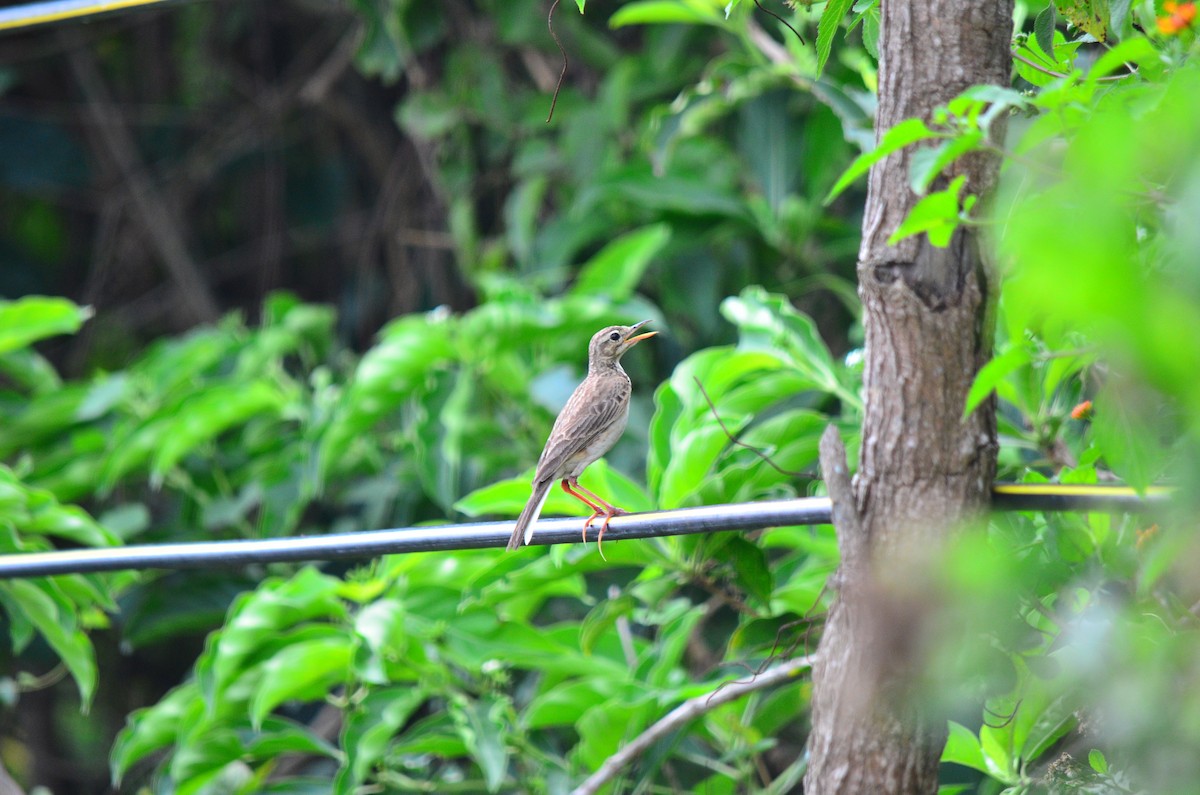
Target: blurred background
x=171 y=164
x=309 y=170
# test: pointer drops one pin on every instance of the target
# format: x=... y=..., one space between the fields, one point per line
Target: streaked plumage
x=587 y=428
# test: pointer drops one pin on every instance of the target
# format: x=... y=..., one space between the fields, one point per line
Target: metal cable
x=481 y=535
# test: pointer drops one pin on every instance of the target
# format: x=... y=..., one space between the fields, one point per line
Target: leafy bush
x=475 y=671
x=502 y=670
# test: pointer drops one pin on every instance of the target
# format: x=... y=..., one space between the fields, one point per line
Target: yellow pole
x=30 y=14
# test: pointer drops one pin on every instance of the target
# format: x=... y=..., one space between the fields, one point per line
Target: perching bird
x=588 y=426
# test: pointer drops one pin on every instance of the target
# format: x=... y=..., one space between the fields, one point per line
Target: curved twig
x=1047 y=71
x=685 y=713
x=781 y=19
x=733 y=439
x=563 y=74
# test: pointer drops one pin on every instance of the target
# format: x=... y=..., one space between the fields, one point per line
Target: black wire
x=482 y=535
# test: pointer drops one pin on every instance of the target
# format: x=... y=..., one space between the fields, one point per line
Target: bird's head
x=609 y=344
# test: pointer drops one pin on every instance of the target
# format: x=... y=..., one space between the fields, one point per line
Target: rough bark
x=922 y=469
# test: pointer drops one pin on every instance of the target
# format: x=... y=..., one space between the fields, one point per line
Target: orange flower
x=1178 y=16
x=1083 y=411
x=1144 y=536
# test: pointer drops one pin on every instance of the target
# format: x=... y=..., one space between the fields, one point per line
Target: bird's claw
x=615 y=511
x=608 y=515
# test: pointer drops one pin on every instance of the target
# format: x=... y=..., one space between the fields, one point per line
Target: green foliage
x=1095 y=373
x=58 y=610
x=691 y=167
x=28 y=320
x=630 y=205
x=496 y=685
x=831 y=19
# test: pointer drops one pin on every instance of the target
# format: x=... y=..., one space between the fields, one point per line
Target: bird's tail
x=523 y=530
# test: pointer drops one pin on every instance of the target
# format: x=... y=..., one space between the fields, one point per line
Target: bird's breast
x=600 y=443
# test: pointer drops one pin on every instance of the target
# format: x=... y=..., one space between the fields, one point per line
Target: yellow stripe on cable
x=1075 y=490
x=30 y=14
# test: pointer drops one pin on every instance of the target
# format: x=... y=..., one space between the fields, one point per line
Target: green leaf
x=207 y=756
x=409 y=349
x=601 y=618
x=1090 y=16
x=174 y=366
x=614 y=272
x=831 y=20
x=369 y=731
x=440 y=435
x=481 y=726
x=608 y=725
x=993 y=373
x=963 y=748
x=565 y=704
x=102 y=396
x=906 y=133
x=70 y=522
x=997 y=760
x=658 y=12
x=42 y=603
x=673 y=639
x=429 y=114
x=27 y=320
x=208 y=414
x=280 y=736
x=503 y=498
x=1127 y=438
x=685 y=473
x=927 y=164
x=685 y=195
x=1042 y=720
x=937 y=215
x=258 y=619
x=580 y=3
x=133 y=445
x=870 y=32
x=147 y=730
x=301 y=671
x=751 y=571
x=1132 y=51
x=381 y=627
x=30 y=371
x=1043 y=28
x=667 y=409
x=769 y=322
x=1097 y=761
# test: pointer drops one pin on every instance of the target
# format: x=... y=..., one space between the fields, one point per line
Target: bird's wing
x=592 y=408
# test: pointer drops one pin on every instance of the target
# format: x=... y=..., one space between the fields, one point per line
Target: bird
x=587 y=428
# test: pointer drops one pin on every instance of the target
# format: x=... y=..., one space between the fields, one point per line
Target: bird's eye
x=614 y=336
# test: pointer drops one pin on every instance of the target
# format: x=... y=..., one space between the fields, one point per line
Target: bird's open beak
x=631 y=341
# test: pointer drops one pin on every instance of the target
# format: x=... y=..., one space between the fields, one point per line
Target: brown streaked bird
x=587 y=428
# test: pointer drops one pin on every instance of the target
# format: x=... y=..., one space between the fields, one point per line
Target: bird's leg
x=596 y=509
x=606 y=509
x=599 y=508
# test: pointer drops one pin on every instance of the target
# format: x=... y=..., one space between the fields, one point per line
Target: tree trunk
x=922 y=469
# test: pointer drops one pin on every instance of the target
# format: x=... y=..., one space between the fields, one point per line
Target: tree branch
x=687 y=712
x=162 y=229
x=852 y=541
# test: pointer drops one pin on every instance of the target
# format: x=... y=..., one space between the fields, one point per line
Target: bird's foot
x=607 y=515
x=610 y=513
